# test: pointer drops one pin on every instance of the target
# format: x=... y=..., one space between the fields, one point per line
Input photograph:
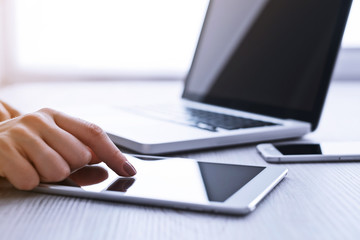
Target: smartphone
x=310 y=151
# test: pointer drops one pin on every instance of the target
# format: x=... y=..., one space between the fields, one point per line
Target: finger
x=13 y=112
x=75 y=153
x=94 y=137
x=50 y=166
x=95 y=159
x=18 y=171
x=4 y=114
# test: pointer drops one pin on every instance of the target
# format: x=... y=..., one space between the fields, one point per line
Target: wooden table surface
x=315 y=201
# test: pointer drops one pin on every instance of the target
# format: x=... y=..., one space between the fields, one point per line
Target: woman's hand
x=7 y=112
x=46 y=146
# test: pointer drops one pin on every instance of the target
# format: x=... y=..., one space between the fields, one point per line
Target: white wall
x=109 y=39
x=25 y=63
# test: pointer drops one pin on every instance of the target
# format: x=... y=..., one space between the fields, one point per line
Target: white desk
x=315 y=201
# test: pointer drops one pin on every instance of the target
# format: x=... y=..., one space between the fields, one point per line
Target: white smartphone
x=176 y=183
x=310 y=151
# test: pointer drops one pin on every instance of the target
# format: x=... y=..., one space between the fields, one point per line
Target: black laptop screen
x=273 y=57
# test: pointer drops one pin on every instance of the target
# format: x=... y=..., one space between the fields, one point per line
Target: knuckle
x=95 y=130
x=21 y=132
x=35 y=118
x=116 y=154
x=83 y=159
x=47 y=110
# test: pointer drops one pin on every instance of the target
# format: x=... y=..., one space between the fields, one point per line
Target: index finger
x=95 y=138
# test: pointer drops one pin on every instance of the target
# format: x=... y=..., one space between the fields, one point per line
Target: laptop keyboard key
x=210 y=121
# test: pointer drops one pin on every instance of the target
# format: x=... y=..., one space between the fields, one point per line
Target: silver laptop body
x=266 y=60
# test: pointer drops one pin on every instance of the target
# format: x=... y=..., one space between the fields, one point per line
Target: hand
x=7 y=112
x=48 y=145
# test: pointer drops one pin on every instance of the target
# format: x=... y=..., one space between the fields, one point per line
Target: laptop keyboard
x=202 y=119
x=224 y=121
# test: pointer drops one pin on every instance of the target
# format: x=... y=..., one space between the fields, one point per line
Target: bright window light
x=115 y=37
x=352 y=33
x=128 y=37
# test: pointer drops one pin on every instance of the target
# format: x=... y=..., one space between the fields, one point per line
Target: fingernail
x=129 y=169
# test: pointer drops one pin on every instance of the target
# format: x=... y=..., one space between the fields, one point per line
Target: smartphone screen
x=347 y=148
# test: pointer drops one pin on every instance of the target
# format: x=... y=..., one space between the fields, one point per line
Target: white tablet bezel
x=241 y=202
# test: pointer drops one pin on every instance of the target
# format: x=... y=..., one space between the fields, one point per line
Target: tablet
x=176 y=183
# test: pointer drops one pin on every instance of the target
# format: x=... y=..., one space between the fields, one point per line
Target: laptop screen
x=272 y=57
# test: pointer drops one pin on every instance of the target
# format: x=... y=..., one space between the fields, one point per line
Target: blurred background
x=50 y=40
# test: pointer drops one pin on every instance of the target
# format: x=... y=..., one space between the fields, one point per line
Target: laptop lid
x=273 y=57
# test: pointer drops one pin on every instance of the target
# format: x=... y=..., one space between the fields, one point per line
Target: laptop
x=260 y=72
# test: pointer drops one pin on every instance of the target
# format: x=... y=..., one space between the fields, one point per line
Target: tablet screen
x=174 y=179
